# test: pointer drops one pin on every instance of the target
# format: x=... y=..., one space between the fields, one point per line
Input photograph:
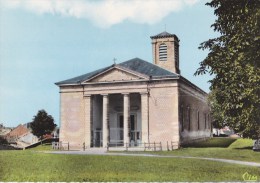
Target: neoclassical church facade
x=135 y=102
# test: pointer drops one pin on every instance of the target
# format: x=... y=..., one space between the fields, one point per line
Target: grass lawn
x=36 y=166
x=32 y=165
x=42 y=147
x=225 y=148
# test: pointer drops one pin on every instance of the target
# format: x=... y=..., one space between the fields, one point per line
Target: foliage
x=3 y=140
x=42 y=124
x=28 y=166
x=218 y=120
x=234 y=59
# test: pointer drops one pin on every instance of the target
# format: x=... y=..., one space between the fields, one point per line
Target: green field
x=34 y=165
x=225 y=148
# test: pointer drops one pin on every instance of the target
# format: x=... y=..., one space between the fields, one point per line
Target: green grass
x=242 y=144
x=41 y=147
x=240 y=149
x=33 y=165
x=36 y=166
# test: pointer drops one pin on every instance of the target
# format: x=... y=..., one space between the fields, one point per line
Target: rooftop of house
x=18 y=131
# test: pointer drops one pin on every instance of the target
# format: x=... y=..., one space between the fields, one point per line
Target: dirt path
x=104 y=153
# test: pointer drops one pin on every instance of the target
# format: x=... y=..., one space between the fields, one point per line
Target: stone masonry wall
x=194 y=113
x=163 y=114
x=72 y=119
x=170 y=63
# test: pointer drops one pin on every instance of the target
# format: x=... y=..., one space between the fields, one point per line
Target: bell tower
x=166 y=51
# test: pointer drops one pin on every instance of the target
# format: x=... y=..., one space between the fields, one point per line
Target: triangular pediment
x=117 y=74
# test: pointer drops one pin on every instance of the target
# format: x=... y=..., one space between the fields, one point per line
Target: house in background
x=4 y=130
x=135 y=102
x=21 y=136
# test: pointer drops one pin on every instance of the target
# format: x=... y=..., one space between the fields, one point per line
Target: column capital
x=144 y=93
x=87 y=95
x=105 y=95
x=125 y=93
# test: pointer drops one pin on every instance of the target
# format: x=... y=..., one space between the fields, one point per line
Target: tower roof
x=164 y=35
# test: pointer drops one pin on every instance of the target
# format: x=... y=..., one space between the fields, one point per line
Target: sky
x=46 y=41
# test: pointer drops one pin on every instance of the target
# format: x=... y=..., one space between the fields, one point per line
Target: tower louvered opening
x=163 y=52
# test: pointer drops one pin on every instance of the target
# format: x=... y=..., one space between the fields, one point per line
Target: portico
x=116 y=119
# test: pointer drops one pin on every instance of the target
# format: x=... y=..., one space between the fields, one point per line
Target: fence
x=172 y=145
x=61 y=145
x=153 y=146
x=134 y=146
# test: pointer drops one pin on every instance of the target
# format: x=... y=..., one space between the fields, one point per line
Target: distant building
x=4 y=130
x=21 y=136
x=135 y=102
x=17 y=132
x=225 y=131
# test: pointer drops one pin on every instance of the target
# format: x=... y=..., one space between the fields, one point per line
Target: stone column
x=105 y=121
x=144 y=111
x=88 y=120
x=126 y=118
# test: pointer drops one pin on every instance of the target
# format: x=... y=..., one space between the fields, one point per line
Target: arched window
x=162 y=52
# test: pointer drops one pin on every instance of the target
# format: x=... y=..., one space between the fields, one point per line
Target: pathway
x=101 y=151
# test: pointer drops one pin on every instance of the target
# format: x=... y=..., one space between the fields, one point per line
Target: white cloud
x=104 y=13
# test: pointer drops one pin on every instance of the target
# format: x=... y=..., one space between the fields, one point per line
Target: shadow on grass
x=241 y=148
x=213 y=142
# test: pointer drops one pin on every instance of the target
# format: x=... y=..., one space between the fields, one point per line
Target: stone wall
x=72 y=113
x=163 y=113
x=194 y=113
x=171 y=63
x=178 y=111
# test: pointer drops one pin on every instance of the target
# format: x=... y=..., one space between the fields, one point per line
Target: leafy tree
x=218 y=120
x=42 y=124
x=234 y=59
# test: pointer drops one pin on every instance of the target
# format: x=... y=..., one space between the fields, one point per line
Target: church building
x=135 y=102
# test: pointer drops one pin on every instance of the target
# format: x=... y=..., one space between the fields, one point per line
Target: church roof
x=164 y=35
x=137 y=65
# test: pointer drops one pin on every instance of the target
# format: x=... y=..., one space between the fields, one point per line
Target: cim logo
x=248 y=177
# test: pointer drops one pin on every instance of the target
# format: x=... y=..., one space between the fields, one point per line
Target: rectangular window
x=205 y=118
x=188 y=111
x=198 y=118
x=209 y=122
x=182 y=118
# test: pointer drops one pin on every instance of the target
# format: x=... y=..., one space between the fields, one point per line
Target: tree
x=42 y=124
x=218 y=120
x=234 y=59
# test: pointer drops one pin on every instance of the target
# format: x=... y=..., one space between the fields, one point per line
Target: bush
x=3 y=140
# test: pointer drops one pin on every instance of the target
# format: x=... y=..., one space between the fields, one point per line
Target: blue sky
x=46 y=41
